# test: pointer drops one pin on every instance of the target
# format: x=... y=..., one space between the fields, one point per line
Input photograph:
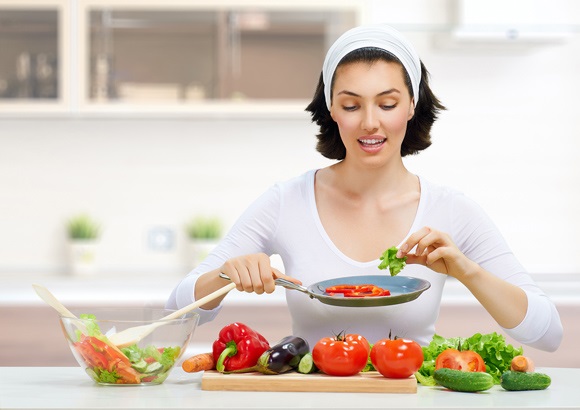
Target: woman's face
x=371 y=105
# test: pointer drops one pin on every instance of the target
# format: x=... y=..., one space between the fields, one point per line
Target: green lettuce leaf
x=425 y=380
x=168 y=356
x=133 y=352
x=91 y=324
x=152 y=351
x=369 y=366
x=492 y=348
x=105 y=376
x=390 y=261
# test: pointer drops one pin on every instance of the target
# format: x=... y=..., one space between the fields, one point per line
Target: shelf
x=198 y=59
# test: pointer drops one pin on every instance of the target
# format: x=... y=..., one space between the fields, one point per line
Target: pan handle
x=280 y=282
x=291 y=285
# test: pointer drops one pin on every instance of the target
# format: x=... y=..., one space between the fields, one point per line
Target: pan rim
x=420 y=286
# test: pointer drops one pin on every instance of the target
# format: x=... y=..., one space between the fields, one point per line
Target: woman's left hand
x=438 y=252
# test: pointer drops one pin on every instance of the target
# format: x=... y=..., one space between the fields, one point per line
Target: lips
x=371 y=145
x=371 y=141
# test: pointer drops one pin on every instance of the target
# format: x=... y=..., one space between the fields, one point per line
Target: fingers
x=435 y=249
x=278 y=274
x=253 y=273
x=413 y=241
x=428 y=257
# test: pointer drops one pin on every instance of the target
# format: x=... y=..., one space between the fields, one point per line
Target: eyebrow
x=389 y=91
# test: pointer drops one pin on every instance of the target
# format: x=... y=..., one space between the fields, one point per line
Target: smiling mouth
x=371 y=142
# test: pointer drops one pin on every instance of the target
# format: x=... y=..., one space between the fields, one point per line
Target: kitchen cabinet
x=33 y=59
x=514 y=21
x=165 y=57
x=223 y=58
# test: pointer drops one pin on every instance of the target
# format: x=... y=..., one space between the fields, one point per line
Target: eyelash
x=354 y=107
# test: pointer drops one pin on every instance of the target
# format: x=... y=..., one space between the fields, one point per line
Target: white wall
x=510 y=139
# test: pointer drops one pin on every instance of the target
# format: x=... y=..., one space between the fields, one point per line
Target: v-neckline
x=318 y=222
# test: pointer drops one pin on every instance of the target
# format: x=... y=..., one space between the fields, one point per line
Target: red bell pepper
x=238 y=347
x=356 y=291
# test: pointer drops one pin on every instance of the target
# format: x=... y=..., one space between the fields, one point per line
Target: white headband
x=378 y=36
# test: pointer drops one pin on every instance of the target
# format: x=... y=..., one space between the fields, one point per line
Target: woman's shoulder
x=282 y=191
x=446 y=195
x=438 y=190
x=302 y=183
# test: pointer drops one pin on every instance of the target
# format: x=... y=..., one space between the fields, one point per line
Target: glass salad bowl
x=147 y=362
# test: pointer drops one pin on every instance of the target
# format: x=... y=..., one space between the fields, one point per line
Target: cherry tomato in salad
x=466 y=360
x=397 y=358
x=343 y=355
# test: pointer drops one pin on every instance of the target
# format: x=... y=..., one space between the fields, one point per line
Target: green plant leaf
x=83 y=227
x=204 y=228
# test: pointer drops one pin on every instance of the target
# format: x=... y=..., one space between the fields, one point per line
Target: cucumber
x=306 y=365
x=458 y=380
x=519 y=381
x=140 y=366
x=154 y=367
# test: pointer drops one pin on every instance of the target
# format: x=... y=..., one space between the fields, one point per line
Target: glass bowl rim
x=192 y=315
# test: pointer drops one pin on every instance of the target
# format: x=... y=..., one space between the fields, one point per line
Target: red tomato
x=467 y=360
x=127 y=373
x=341 y=355
x=397 y=358
x=91 y=356
x=359 y=338
x=110 y=351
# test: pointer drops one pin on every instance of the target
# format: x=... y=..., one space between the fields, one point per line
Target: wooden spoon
x=53 y=302
x=133 y=335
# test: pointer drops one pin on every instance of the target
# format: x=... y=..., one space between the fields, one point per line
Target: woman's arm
x=251 y=236
x=251 y=273
x=528 y=316
x=437 y=251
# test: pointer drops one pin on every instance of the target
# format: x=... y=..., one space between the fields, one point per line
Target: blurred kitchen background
x=152 y=120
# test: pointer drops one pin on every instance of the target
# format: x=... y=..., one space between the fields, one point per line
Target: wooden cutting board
x=368 y=382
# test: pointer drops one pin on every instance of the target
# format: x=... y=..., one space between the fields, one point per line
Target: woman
x=374 y=106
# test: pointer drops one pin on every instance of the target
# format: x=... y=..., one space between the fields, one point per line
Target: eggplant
x=284 y=356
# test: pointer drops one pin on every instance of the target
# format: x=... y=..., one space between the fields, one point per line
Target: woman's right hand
x=253 y=273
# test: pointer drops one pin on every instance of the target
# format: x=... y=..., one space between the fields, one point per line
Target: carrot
x=522 y=364
x=199 y=362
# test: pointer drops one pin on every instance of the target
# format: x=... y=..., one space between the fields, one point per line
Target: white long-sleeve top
x=285 y=221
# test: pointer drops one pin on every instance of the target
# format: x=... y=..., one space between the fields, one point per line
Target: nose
x=369 y=121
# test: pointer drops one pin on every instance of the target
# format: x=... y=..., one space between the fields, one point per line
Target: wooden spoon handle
x=200 y=302
x=52 y=301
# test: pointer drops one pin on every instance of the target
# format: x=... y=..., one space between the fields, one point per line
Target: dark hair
x=417 y=136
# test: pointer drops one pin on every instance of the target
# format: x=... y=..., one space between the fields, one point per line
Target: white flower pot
x=83 y=257
x=199 y=249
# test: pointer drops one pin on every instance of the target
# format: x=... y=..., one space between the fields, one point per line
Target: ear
x=332 y=113
x=411 y=110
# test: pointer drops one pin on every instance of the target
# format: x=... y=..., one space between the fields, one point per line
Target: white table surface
x=70 y=388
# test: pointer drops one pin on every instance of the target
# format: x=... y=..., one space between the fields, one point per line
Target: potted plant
x=83 y=234
x=203 y=233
